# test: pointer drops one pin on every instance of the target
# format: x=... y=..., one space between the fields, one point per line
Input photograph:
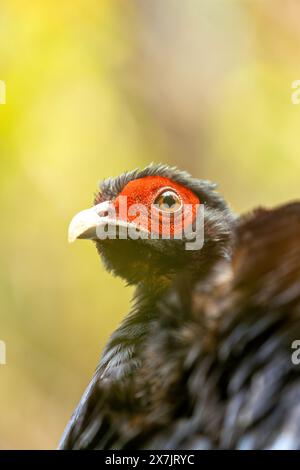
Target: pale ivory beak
x=85 y=223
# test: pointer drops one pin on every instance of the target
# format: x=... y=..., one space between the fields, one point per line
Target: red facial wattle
x=145 y=191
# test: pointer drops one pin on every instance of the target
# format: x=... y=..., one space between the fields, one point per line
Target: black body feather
x=204 y=359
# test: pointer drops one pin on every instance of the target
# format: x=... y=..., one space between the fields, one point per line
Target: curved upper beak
x=91 y=224
x=85 y=223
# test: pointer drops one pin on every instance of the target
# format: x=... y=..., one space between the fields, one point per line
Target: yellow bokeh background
x=97 y=87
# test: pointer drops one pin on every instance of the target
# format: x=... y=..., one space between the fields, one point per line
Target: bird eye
x=168 y=201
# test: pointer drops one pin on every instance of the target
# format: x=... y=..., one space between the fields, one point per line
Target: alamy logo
x=2 y=92
x=137 y=221
x=295 y=357
x=2 y=353
x=295 y=96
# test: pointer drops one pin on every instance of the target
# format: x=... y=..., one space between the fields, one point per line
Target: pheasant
x=204 y=358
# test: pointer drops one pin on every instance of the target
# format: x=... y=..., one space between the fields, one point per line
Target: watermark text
x=2 y=92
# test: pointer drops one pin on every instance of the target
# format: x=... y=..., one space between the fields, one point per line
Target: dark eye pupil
x=169 y=200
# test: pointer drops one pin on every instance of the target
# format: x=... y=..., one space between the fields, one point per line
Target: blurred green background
x=95 y=88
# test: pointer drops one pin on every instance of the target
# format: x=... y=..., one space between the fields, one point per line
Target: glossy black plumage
x=204 y=358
